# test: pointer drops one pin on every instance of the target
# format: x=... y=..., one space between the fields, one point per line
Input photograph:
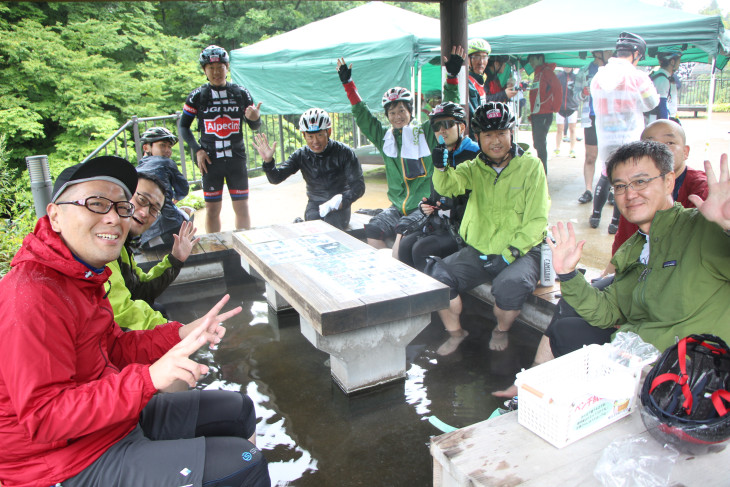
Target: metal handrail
x=344 y=130
x=695 y=92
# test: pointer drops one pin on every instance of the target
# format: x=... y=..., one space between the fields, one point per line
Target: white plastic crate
x=572 y=396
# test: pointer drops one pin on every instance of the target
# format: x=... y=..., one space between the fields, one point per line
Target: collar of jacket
x=479 y=77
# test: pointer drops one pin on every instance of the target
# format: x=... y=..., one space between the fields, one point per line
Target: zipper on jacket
x=642 y=279
x=644 y=274
x=408 y=186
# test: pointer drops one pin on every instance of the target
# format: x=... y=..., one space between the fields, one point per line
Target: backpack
x=652 y=77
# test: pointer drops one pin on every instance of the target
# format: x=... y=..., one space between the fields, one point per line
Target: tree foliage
x=714 y=9
x=74 y=73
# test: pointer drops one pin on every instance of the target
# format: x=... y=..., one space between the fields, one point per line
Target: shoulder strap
x=237 y=93
x=203 y=103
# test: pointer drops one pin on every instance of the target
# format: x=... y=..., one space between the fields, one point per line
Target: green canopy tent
x=296 y=70
x=567 y=30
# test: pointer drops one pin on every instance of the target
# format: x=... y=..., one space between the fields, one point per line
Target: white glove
x=330 y=205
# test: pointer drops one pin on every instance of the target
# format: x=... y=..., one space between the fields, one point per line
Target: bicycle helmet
x=478 y=45
x=395 y=95
x=669 y=53
x=448 y=109
x=213 y=54
x=492 y=116
x=631 y=42
x=155 y=134
x=314 y=120
x=684 y=396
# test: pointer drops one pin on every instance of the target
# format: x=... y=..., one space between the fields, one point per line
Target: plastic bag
x=636 y=461
x=628 y=349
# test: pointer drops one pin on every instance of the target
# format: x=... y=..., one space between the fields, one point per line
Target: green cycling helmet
x=478 y=45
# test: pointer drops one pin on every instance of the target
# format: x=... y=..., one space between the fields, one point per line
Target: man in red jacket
x=546 y=95
x=78 y=397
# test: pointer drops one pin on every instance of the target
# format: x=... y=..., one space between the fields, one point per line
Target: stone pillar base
x=367 y=357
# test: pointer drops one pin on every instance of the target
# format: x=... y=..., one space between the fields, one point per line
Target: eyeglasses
x=144 y=202
x=636 y=185
x=479 y=56
x=443 y=125
x=101 y=205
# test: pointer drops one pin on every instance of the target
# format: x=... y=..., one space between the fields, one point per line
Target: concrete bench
x=539 y=308
x=213 y=254
x=692 y=108
x=359 y=305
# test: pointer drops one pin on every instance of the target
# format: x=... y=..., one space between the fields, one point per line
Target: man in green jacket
x=405 y=148
x=672 y=276
x=503 y=226
x=132 y=292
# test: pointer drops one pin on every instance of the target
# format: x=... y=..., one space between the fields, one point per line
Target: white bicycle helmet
x=314 y=120
x=395 y=95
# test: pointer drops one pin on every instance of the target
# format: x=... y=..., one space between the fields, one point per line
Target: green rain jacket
x=684 y=288
x=132 y=290
x=404 y=192
x=509 y=209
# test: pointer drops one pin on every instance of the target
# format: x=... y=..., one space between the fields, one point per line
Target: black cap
x=106 y=168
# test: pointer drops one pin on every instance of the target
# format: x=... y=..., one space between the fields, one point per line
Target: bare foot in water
x=499 y=341
x=450 y=345
x=508 y=393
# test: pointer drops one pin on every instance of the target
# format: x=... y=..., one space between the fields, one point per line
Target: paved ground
x=282 y=203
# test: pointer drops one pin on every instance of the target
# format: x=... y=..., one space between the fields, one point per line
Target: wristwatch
x=515 y=253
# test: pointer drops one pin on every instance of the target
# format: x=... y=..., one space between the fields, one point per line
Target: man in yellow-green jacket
x=132 y=292
x=503 y=225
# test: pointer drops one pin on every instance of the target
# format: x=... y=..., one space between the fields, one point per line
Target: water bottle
x=547 y=273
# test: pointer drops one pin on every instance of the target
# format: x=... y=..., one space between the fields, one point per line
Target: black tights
x=603 y=187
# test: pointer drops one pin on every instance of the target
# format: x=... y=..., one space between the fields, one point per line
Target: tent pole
x=420 y=94
x=711 y=96
x=281 y=138
x=413 y=90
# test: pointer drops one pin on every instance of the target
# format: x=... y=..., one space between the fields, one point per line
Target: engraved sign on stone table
x=360 y=273
x=296 y=249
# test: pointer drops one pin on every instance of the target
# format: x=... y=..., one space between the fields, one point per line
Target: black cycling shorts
x=572 y=333
x=382 y=225
x=235 y=174
x=184 y=438
x=589 y=133
x=510 y=288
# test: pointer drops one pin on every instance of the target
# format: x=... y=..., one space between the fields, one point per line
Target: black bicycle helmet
x=448 y=109
x=631 y=42
x=492 y=116
x=684 y=396
x=213 y=54
x=155 y=134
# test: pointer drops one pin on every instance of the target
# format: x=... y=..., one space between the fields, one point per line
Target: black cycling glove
x=453 y=65
x=345 y=74
x=439 y=156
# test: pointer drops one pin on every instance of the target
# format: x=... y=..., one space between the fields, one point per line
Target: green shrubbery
x=17 y=215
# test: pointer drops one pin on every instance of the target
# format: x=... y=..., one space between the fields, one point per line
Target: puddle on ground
x=312 y=433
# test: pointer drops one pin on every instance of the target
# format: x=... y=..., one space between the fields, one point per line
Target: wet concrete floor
x=314 y=435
